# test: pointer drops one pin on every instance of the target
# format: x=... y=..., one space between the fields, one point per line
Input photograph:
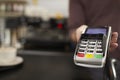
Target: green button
x=98 y=56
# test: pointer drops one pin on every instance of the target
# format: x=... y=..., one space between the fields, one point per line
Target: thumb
x=79 y=31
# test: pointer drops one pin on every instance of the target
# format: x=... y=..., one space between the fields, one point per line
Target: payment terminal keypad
x=90 y=48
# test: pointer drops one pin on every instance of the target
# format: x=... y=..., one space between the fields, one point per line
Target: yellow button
x=89 y=56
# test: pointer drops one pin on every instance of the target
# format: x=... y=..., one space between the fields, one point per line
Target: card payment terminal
x=92 y=48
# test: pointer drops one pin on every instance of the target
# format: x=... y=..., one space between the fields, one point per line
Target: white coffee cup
x=7 y=54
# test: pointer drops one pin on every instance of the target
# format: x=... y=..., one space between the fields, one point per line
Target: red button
x=80 y=55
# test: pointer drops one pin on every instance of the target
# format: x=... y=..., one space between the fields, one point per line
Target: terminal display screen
x=96 y=31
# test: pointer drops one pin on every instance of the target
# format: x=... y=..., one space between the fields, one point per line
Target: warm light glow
x=35 y=2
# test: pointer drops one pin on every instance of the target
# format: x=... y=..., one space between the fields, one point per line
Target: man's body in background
x=95 y=13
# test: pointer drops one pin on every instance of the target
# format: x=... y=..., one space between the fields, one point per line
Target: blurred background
x=38 y=30
x=35 y=24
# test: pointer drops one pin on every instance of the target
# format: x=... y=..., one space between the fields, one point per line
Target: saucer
x=18 y=60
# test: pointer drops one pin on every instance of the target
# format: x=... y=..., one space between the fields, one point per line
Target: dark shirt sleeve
x=76 y=14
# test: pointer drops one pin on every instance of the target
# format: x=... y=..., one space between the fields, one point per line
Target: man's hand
x=77 y=34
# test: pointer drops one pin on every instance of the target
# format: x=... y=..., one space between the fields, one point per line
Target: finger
x=114 y=37
x=113 y=46
x=73 y=37
x=78 y=34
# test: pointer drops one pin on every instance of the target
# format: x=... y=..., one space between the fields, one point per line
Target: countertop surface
x=44 y=65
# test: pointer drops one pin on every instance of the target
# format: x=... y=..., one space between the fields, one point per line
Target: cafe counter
x=43 y=65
